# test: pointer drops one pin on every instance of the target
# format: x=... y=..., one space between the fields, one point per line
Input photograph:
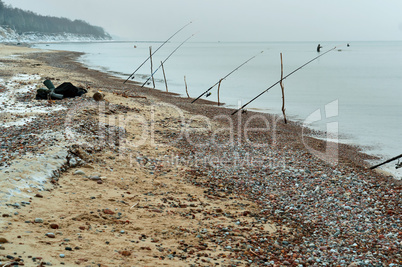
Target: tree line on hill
x=27 y=21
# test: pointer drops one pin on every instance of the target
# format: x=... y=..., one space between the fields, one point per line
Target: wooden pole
x=219 y=86
x=150 y=56
x=283 y=92
x=185 y=83
x=164 y=76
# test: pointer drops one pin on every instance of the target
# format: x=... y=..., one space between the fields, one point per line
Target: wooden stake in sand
x=283 y=92
x=152 y=72
x=185 y=83
x=219 y=87
x=164 y=76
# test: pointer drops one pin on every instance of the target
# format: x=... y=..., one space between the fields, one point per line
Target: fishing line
x=157 y=51
x=266 y=90
x=167 y=59
x=210 y=88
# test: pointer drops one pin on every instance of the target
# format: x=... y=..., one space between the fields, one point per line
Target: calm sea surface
x=365 y=79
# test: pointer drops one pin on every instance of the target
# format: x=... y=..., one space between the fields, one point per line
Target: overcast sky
x=234 y=20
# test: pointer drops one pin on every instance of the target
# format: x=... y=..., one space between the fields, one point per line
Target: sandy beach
x=145 y=178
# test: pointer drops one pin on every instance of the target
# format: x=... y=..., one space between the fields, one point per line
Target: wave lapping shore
x=147 y=178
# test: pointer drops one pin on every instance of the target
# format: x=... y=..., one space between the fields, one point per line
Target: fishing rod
x=394 y=158
x=266 y=90
x=156 y=51
x=166 y=59
x=210 y=88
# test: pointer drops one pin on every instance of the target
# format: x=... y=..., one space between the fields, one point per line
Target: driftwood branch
x=283 y=92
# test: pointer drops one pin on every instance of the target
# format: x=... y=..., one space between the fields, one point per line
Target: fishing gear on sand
x=266 y=90
x=132 y=74
x=166 y=59
x=210 y=88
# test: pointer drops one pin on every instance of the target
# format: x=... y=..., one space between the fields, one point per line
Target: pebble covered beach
x=145 y=178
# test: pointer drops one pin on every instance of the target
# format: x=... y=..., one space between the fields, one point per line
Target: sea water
x=363 y=81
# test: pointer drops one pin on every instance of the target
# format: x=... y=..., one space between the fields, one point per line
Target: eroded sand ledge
x=136 y=193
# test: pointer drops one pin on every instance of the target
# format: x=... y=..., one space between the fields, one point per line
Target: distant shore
x=182 y=184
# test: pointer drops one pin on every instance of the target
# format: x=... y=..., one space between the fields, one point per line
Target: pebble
x=38 y=220
x=95 y=177
x=336 y=213
x=3 y=240
x=79 y=172
x=108 y=211
x=73 y=162
x=62 y=256
x=126 y=253
x=98 y=96
x=51 y=235
x=54 y=226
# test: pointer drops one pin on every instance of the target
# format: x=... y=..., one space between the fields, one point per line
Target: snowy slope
x=8 y=35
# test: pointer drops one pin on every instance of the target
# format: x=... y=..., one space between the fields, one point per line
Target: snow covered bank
x=8 y=35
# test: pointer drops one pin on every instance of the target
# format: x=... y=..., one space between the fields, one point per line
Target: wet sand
x=146 y=178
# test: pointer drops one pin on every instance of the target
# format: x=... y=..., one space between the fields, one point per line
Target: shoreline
x=342 y=138
x=371 y=139
x=253 y=202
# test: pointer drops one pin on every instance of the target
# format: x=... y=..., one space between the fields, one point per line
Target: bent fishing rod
x=394 y=158
x=210 y=88
x=166 y=59
x=132 y=74
x=266 y=90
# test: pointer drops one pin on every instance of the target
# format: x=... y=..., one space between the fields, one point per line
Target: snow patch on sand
x=31 y=172
x=22 y=84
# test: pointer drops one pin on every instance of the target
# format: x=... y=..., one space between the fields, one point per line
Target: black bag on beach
x=68 y=90
x=41 y=94
x=65 y=90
